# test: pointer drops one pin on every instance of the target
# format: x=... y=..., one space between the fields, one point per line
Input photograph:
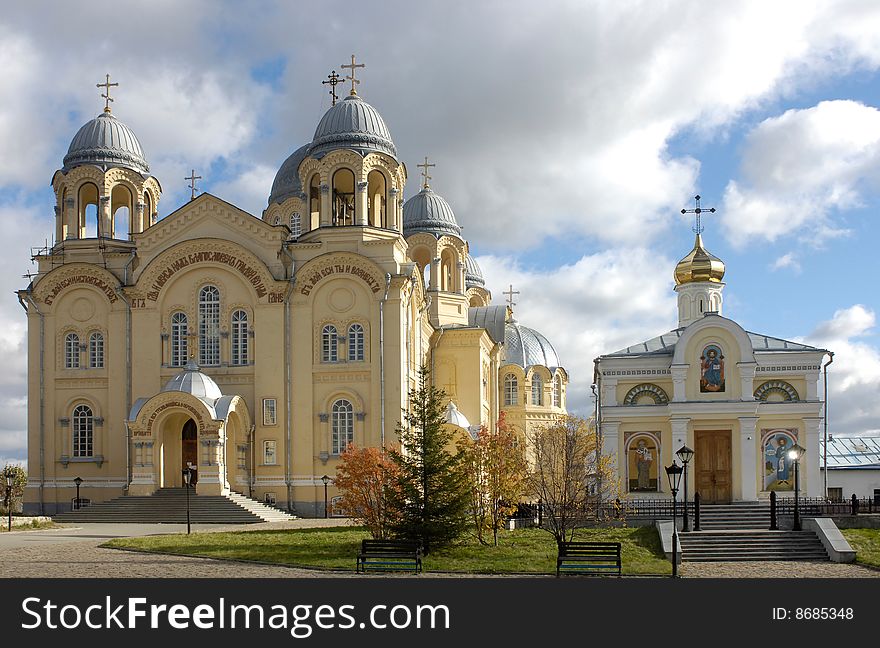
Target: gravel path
x=769 y=569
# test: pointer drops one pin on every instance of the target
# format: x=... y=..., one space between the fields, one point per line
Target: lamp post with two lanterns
x=685 y=454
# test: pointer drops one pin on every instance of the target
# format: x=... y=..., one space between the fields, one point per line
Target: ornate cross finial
x=353 y=67
x=425 y=177
x=698 y=227
x=510 y=292
x=333 y=79
x=107 y=98
x=192 y=183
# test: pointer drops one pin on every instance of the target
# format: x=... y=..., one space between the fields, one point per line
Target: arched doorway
x=189 y=446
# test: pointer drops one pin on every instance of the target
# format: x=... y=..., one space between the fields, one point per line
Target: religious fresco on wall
x=778 y=468
x=642 y=458
x=712 y=369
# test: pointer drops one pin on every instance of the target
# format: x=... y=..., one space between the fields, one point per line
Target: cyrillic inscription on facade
x=248 y=272
x=339 y=268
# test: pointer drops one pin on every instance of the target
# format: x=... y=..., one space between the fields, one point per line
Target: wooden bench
x=588 y=558
x=390 y=555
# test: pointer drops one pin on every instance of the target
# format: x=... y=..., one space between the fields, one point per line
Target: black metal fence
x=819 y=506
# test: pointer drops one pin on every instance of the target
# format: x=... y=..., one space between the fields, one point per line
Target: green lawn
x=523 y=550
x=866 y=542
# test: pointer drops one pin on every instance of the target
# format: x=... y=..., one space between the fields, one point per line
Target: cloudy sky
x=567 y=136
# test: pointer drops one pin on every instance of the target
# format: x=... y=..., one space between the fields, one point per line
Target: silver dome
x=287 y=184
x=194 y=382
x=429 y=212
x=526 y=347
x=106 y=142
x=353 y=124
x=473 y=275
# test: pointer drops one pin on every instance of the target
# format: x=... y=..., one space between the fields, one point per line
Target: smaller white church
x=741 y=400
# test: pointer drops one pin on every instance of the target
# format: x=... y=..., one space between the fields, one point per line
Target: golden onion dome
x=699 y=265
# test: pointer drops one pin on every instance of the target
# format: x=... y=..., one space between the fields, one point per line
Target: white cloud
x=597 y=305
x=799 y=169
x=249 y=189
x=854 y=376
x=788 y=260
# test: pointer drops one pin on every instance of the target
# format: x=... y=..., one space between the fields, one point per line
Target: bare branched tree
x=569 y=475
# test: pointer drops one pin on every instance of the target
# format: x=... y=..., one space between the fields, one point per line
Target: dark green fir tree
x=431 y=497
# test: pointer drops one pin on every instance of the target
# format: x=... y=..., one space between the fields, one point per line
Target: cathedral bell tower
x=698 y=277
x=103 y=190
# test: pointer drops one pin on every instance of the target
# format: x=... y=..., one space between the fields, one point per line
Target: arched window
x=295 y=225
x=209 y=326
x=343 y=197
x=537 y=390
x=342 y=420
x=148 y=210
x=179 y=339
x=557 y=391
x=376 y=199
x=71 y=351
x=240 y=350
x=83 y=431
x=121 y=208
x=511 y=388
x=329 y=344
x=447 y=278
x=355 y=343
x=315 y=202
x=96 y=351
x=88 y=211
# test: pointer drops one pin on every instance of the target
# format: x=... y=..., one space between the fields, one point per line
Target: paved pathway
x=73 y=552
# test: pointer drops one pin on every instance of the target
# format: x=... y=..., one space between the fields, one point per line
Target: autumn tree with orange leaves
x=496 y=467
x=364 y=477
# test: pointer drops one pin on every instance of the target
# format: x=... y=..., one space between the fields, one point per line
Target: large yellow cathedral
x=255 y=349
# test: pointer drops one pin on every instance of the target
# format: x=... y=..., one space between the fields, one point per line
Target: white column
x=747 y=378
x=361 y=209
x=72 y=219
x=679 y=376
x=678 y=439
x=611 y=445
x=748 y=467
x=810 y=477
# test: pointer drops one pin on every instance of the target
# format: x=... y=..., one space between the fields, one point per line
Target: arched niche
x=377 y=198
x=315 y=201
x=87 y=210
x=121 y=210
x=643 y=463
x=776 y=391
x=343 y=197
x=646 y=394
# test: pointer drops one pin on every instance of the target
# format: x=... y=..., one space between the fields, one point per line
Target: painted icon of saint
x=712 y=370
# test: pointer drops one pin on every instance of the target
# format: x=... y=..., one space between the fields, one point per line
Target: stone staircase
x=168 y=506
x=740 y=531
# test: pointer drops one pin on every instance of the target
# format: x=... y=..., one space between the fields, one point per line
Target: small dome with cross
x=429 y=212
x=473 y=275
x=106 y=142
x=352 y=124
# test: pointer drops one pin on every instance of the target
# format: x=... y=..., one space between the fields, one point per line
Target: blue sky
x=567 y=136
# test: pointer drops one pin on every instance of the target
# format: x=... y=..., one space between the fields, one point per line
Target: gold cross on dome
x=333 y=79
x=353 y=67
x=192 y=183
x=107 y=98
x=510 y=293
x=698 y=226
x=425 y=177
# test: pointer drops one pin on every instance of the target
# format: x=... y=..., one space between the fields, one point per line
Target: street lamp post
x=326 y=481
x=9 y=480
x=77 y=481
x=685 y=454
x=187 y=479
x=673 y=473
x=795 y=455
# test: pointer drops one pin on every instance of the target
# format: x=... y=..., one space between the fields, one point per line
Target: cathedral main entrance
x=190 y=448
x=712 y=466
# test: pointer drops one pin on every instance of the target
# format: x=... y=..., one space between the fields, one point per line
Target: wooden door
x=712 y=465
x=190 y=448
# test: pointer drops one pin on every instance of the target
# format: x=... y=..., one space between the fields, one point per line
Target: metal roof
x=354 y=124
x=526 y=347
x=429 y=212
x=853 y=452
x=491 y=318
x=287 y=184
x=665 y=344
x=473 y=275
x=194 y=382
x=106 y=142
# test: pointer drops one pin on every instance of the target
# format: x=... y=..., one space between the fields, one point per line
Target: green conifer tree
x=431 y=495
